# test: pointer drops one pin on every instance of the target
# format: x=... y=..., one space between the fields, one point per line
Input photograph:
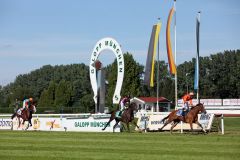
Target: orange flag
x=172 y=65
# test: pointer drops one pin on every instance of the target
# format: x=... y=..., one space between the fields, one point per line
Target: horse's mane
x=132 y=104
x=197 y=105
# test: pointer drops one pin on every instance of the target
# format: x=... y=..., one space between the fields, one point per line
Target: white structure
x=113 y=45
x=150 y=103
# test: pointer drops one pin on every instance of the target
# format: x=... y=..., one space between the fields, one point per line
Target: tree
x=1 y=97
x=43 y=101
x=166 y=82
x=47 y=97
x=131 y=82
x=63 y=94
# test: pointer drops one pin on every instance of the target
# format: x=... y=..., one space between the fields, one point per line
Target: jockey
x=187 y=101
x=26 y=103
x=123 y=104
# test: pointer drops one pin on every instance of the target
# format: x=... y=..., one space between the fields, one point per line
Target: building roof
x=153 y=99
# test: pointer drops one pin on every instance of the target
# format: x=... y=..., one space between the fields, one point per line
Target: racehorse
x=26 y=115
x=127 y=117
x=191 y=117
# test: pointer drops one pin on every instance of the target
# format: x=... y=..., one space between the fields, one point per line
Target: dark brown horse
x=191 y=117
x=26 y=115
x=127 y=117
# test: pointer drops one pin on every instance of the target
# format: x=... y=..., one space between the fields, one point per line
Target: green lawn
x=34 y=145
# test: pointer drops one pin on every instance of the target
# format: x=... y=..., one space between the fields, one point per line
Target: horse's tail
x=163 y=120
x=110 y=112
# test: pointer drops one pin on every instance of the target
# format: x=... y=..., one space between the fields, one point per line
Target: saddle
x=181 y=112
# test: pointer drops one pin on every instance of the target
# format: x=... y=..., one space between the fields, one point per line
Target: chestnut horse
x=191 y=117
x=26 y=115
x=127 y=117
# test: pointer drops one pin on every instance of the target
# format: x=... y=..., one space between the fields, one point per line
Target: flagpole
x=175 y=50
x=199 y=13
x=158 y=72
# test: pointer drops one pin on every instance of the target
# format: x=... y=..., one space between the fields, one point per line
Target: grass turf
x=36 y=145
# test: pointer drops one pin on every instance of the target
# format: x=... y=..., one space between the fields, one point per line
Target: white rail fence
x=61 y=122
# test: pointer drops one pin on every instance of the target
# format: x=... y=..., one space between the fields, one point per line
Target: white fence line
x=61 y=122
x=216 y=102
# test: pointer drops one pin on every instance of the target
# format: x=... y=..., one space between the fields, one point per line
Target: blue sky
x=37 y=33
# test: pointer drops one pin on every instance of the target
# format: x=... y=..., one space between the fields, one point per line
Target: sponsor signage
x=112 y=45
x=5 y=123
x=90 y=124
x=154 y=122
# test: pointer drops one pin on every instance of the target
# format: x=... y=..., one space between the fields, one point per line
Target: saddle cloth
x=179 y=112
x=117 y=114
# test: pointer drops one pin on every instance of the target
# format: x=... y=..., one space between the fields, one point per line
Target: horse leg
x=166 y=123
x=115 y=125
x=174 y=124
x=190 y=123
x=30 y=121
x=128 y=127
x=14 y=114
x=19 y=122
x=122 y=127
x=27 y=126
x=136 y=124
x=203 y=129
x=110 y=120
x=22 y=124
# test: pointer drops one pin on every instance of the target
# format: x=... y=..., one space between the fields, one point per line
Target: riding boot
x=183 y=115
x=120 y=114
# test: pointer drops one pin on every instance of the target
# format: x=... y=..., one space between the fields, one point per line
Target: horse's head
x=133 y=106
x=32 y=108
x=201 y=108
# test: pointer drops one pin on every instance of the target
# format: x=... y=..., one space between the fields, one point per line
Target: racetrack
x=29 y=145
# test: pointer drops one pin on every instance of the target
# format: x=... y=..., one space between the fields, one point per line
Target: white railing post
x=181 y=127
x=222 y=123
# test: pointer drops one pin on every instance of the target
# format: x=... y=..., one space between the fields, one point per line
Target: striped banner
x=149 y=70
x=172 y=65
x=196 y=77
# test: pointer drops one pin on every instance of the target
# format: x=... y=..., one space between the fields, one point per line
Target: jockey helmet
x=191 y=94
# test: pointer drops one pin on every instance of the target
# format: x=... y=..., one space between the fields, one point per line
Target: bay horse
x=191 y=117
x=127 y=117
x=26 y=115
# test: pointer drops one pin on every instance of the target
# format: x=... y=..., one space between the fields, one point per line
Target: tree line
x=67 y=88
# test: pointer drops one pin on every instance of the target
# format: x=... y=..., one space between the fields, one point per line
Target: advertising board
x=90 y=124
x=5 y=123
x=154 y=122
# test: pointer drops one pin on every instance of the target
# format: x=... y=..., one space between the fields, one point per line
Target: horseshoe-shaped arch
x=112 y=45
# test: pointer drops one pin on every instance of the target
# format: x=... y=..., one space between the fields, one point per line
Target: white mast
x=158 y=72
x=175 y=50
x=197 y=58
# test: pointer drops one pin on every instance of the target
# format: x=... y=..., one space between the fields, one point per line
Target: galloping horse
x=26 y=115
x=127 y=117
x=191 y=117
